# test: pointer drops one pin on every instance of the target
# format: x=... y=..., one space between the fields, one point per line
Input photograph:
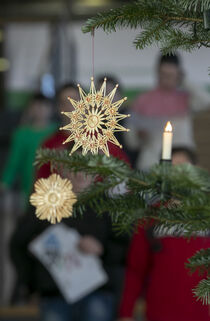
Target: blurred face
x=180 y=158
x=109 y=87
x=63 y=103
x=169 y=76
x=40 y=112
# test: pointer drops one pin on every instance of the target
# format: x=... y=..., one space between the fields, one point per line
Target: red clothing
x=56 y=141
x=169 y=285
x=159 y=102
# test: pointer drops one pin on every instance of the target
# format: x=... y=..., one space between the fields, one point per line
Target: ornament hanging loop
x=93 y=51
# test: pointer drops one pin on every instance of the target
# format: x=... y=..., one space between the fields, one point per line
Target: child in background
x=156 y=269
x=35 y=127
x=172 y=98
x=36 y=282
x=97 y=238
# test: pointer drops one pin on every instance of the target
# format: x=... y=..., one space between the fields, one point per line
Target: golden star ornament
x=94 y=120
x=53 y=198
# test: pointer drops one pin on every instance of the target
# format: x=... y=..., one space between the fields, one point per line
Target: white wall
x=27 y=46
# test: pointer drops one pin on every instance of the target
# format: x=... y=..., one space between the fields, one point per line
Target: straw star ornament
x=94 y=120
x=53 y=198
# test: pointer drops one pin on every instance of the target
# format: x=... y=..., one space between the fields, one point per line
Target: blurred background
x=42 y=47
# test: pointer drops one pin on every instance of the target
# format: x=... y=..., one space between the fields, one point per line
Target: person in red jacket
x=156 y=270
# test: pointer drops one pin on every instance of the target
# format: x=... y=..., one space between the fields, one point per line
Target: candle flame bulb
x=168 y=127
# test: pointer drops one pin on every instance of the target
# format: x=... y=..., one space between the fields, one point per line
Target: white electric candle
x=167 y=141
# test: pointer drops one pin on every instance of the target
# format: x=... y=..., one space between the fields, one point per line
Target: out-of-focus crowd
x=144 y=266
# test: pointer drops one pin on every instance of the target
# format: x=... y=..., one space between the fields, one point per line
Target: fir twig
x=202 y=291
x=200 y=261
x=168 y=23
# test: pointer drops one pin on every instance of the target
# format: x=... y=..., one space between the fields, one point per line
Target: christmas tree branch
x=196 y=4
x=140 y=13
x=175 y=198
x=171 y=24
x=200 y=261
x=202 y=291
x=97 y=165
x=182 y=192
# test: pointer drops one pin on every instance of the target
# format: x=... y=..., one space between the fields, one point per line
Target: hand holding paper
x=90 y=245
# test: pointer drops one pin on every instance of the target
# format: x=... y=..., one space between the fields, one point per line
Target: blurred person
x=36 y=281
x=34 y=128
x=100 y=305
x=111 y=82
x=156 y=270
x=183 y=155
x=116 y=252
x=172 y=99
x=69 y=89
x=59 y=136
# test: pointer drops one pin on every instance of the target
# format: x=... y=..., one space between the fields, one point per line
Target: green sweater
x=24 y=143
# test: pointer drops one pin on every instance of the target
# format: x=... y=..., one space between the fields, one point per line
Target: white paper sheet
x=75 y=273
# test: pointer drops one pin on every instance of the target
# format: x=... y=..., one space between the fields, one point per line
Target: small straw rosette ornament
x=53 y=198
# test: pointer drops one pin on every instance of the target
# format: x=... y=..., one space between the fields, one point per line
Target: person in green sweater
x=35 y=127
